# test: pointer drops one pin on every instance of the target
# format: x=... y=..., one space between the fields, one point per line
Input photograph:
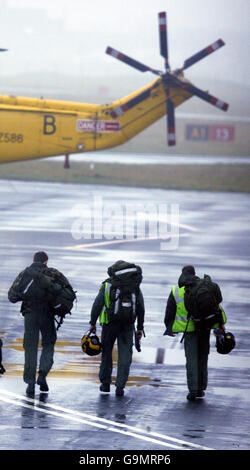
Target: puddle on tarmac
x=194 y=433
x=70 y=361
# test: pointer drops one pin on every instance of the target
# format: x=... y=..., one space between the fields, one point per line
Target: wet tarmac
x=211 y=232
x=153 y=159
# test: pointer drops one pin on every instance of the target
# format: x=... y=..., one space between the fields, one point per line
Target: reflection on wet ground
x=81 y=365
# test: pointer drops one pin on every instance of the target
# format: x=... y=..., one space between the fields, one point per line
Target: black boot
x=105 y=388
x=191 y=396
x=119 y=392
x=30 y=390
x=41 y=380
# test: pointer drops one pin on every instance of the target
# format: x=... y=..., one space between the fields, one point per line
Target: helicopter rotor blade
x=116 y=112
x=203 y=95
x=3 y=50
x=162 y=20
x=170 y=122
x=203 y=53
x=170 y=111
x=129 y=61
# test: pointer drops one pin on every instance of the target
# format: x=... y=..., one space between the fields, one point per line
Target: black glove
x=92 y=329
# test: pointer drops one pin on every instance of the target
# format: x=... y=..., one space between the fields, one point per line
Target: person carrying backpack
x=193 y=308
x=38 y=288
x=2 y=369
x=119 y=304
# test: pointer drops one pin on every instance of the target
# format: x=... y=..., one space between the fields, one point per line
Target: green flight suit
x=125 y=351
x=37 y=319
x=34 y=323
x=113 y=331
x=196 y=343
x=197 y=346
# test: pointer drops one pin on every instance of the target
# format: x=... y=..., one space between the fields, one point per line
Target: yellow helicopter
x=36 y=128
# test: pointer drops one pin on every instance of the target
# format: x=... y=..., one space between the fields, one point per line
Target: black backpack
x=61 y=296
x=42 y=283
x=202 y=298
x=32 y=285
x=125 y=279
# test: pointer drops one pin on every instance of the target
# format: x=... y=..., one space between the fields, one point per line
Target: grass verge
x=221 y=177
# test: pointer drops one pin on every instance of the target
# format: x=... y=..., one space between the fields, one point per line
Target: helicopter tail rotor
x=169 y=78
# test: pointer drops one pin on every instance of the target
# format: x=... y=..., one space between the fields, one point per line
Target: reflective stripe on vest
x=181 y=318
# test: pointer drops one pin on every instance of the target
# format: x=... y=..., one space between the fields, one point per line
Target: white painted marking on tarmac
x=25 y=228
x=116 y=242
x=133 y=240
x=108 y=425
x=80 y=420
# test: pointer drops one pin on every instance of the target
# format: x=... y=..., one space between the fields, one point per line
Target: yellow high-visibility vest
x=104 y=314
x=181 y=317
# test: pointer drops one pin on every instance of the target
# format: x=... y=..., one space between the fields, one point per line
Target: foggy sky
x=130 y=26
x=69 y=37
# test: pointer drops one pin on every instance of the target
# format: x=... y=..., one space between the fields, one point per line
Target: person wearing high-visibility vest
x=196 y=342
x=114 y=330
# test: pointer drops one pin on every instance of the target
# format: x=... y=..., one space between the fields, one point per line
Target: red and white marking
x=220 y=104
x=215 y=45
x=162 y=21
x=90 y=125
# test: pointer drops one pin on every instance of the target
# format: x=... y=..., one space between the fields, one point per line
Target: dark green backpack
x=32 y=285
x=61 y=297
x=125 y=279
x=202 y=298
x=41 y=283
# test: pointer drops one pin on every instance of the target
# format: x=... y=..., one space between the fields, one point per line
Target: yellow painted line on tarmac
x=105 y=424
